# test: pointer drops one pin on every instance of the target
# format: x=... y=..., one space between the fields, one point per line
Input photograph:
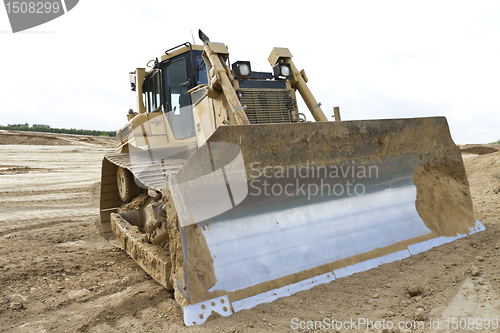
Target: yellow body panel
x=230 y=242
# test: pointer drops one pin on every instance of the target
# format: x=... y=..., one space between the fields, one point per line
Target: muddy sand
x=58 y=274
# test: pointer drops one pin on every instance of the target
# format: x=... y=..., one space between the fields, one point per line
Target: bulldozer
x=226 y=194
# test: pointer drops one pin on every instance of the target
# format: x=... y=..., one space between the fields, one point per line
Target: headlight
x=285 y=71
x=282 y=71
x=242 y=69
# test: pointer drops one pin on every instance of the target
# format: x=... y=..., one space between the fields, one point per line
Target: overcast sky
x=374 y=59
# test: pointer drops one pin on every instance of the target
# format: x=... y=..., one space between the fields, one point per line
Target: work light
x=282 y=71
x=131 y=76
x=242 y=69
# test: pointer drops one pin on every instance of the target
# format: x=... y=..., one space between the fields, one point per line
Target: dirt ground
x=58 y=274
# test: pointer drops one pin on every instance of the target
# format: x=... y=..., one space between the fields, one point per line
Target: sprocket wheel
x=123 y=179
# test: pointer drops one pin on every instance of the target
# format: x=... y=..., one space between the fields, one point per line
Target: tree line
x=48 y=129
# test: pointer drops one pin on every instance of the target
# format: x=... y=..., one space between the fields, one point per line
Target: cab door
x=178 y=101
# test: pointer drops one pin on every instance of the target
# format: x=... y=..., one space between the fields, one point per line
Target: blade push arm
x=298 y=81
x=220 y=78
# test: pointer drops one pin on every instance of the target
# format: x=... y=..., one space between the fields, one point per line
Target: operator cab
x=166 y=85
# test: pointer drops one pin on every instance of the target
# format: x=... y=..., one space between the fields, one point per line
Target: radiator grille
x=267 y=106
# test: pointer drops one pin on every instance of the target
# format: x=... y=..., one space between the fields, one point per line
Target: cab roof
x=180 y=50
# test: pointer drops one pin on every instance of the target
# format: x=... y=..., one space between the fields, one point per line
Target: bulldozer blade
x=269 y=210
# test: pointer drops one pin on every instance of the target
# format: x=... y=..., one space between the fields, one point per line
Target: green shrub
x=58 y=130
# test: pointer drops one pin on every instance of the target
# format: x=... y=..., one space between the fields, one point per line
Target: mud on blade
x=268 y=210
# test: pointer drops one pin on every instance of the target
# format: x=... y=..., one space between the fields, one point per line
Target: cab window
x=201 y=71
x=179 y=110
x=151 y=90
